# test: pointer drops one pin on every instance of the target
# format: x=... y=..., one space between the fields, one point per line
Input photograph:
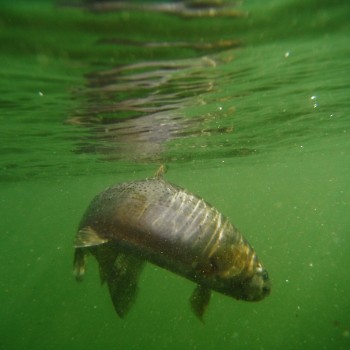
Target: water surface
x=251 y=113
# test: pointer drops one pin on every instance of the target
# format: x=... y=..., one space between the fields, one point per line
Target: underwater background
x=248 y=105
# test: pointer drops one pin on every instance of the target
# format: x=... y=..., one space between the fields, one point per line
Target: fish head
x=252 y=287
x=249 y=287
x=257 y=286
x=240 y=274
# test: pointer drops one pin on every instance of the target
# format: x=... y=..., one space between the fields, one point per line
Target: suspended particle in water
x=313 y=98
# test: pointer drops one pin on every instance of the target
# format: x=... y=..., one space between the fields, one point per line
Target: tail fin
x=122 y=282
x=121 y=271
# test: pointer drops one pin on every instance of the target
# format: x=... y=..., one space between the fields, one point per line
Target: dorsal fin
x=160 y=172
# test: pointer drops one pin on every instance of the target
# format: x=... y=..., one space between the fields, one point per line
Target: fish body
x=153 y=220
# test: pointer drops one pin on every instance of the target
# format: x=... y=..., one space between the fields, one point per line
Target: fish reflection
x=188 y=8
x=132 y=111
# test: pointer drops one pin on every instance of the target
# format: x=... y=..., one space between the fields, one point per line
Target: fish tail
x=121 y=272
x=122 y=279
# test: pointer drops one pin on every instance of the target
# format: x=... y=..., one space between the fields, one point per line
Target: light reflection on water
x=132 y=111
x=191 y=93
x=259 y=130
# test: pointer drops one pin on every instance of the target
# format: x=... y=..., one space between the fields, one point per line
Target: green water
x=260 y=130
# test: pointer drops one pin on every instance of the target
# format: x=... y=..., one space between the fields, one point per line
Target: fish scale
x=153 y=220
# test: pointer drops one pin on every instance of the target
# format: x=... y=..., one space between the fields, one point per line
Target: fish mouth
x=266 y=291
x=258 y=292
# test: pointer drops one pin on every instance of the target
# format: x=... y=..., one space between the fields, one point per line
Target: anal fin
x=88 y=237
x=79 y=264
x=200 y=299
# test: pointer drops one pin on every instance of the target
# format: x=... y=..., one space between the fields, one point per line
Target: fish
x=155 y=221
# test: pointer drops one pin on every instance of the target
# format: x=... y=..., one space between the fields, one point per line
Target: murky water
x=251 y=112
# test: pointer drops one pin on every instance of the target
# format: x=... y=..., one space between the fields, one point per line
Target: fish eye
x=265 y=275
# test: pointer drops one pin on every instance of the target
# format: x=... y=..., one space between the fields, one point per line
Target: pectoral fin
x=200 y=300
